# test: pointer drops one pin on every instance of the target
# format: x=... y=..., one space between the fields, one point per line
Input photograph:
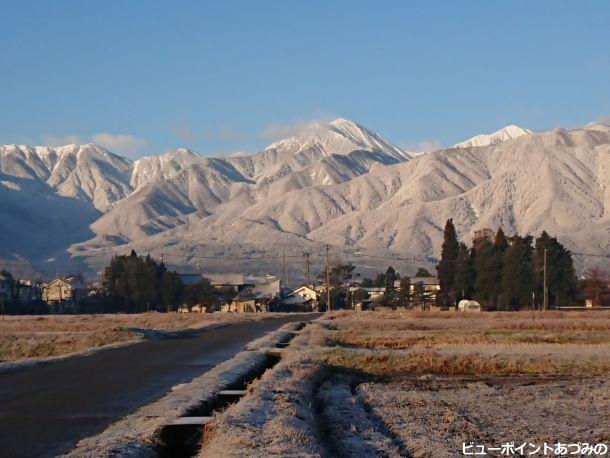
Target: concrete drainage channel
x=183 y=436
x=175 y=424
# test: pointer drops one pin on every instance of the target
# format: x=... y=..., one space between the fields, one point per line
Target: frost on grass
x=434 y=417
x=27 y=337
x=421 y=384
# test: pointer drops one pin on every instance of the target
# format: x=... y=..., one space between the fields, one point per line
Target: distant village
x=235 y=292
x=496 y=273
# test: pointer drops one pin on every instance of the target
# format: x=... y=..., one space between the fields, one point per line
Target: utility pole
x=545 y=300
x=307 y=267
x=329 y=305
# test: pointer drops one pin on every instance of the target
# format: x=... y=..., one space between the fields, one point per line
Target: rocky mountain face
x=336 y=183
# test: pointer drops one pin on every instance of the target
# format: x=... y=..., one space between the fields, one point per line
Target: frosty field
x=423 y=384
x=26 y=336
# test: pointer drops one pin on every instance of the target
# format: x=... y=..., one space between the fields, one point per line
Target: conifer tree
x=446 y=266
x=562 y=281
x=518 y=274
x=464 y=272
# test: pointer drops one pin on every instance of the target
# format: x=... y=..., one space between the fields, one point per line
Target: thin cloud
x=55 y=141
x=423 y=146
x=120 y=143
x=183 y=132
x=278 y=131
x=604 y=119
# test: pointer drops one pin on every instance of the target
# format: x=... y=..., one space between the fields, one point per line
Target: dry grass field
x=25 y=337
x=400 y=383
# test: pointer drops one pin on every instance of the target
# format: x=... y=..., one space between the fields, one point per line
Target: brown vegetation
x=23 y=337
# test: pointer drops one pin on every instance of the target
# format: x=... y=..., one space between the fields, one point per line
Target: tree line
x=133 y=284
x=505 y=273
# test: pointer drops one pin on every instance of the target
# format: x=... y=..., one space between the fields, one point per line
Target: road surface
x=46 y=409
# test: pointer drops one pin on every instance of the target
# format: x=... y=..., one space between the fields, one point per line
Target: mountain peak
x=506 y=133
x=340 y=136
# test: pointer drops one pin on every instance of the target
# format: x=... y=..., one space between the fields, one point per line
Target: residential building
x=61 y=290
x=431 y=287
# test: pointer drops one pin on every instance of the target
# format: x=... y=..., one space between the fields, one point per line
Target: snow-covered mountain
x=336 y=183
x=506 y=133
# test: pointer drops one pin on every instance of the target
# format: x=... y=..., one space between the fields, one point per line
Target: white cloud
x=54 y=141
x=119 y=143
x=278 y=131
x=423 y=146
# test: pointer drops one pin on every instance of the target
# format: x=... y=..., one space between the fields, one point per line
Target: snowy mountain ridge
x=506 y=133
x=336 y=183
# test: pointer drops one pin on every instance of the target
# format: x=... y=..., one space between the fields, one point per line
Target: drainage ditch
x=183 y=437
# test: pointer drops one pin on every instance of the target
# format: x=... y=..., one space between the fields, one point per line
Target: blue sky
x=142 y=77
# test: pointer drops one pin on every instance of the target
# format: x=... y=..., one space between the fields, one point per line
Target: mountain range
x=334 y=183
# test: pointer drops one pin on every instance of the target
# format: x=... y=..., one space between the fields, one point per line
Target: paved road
x=46 y=409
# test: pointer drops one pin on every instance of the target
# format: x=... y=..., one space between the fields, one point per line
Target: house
x=306 y=292
x=245 y=304
x=237 y=282
x=431 y=287
x=27 y=292
x=303 y=298
x=373 y=292
x=61 y=291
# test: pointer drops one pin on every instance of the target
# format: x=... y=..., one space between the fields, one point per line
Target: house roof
x=190 y=279
x=371 y=289
x=226 y=279
x=425 y=280
x=304 y=287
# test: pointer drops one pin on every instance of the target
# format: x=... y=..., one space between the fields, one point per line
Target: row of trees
x=133 y=283
x=505 y=272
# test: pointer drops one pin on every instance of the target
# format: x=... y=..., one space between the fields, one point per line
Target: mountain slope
x=336 y=183
x=556 y=181
x=502 y=135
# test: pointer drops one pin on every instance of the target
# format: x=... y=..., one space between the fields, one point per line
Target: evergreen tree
x=562 y=281
x=421 y=272
x=379 y=280
x=518 y=274
x=366 y=283
x=390 y=278
x=484 y=278
x=446 y=266
x=171 y=290
x=464 y=272
x=404 y=294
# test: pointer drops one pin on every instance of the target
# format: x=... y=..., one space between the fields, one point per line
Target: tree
x=204 y=293
x=379 y=281
x=464 y=272
x=366 y=283
x=595 y=285
x=517 y=274
x=446 y=266
x=339 y=274
x=561 y=275
x=421 y=272
x=171 y=290
x=390 y=278
x=360 y=295
x=404 y=294
x=488 y=265
x=135 y=284
x=484 y=277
